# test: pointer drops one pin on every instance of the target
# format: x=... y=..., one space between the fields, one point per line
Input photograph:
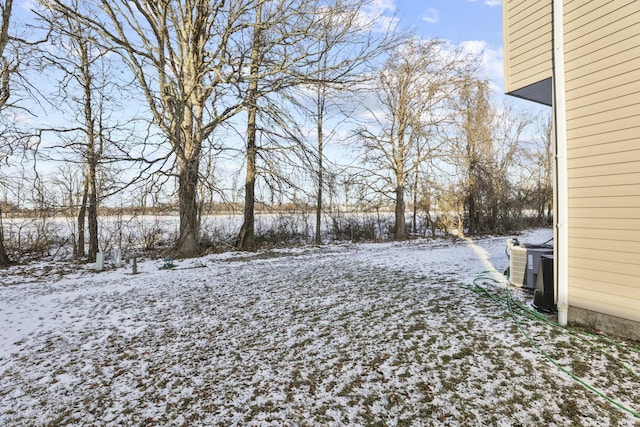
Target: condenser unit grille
x=517 y=265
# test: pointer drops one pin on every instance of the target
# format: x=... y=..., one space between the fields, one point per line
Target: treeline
x=203 y=106
x=31 y=238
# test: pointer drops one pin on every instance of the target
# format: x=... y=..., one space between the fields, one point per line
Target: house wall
x=602 y=60
x=527 y=42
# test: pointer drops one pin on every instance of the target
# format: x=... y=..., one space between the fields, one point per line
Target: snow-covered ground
x=344 y=334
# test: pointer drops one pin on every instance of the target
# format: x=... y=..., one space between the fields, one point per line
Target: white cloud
x=491 y=60
x=385 y=5
x=489 y=3
x=381 y=12
x=431 y=16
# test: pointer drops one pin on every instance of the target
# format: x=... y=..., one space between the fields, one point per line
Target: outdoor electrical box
x=534 y=256
x=544 y=295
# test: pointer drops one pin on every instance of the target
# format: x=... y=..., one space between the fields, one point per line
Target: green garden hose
x=517 y=310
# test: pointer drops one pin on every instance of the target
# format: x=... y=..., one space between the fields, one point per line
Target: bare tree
x=510 y=126
x=476 y=118
x=321 y=102
x=87 y=93
x=8 y=66
x=544 y=161
x=347 y=47
x=246 y=237
x=291 y=43
x=486 y=146
x=421 y=190
x=182 y=56
x=94 y=147
x=411 y=100
x=68 y=179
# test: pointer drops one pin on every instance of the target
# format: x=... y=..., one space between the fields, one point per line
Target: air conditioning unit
x=517 y=262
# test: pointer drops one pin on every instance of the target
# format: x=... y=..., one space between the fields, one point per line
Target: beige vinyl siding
x=592 y=300
x=609 y=158
x=602 y=53
x=603 y=247
x=590 y=84
x=602 y=148
x=585 y=128
x=613 y=183
x=616 y=256
x=601 y=288
x=599 y=106
x=597 y=192
x=527 y=42
x=600 y=143
x=612 y=17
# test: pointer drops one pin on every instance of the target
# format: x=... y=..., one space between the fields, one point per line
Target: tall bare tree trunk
x=416 y=186
x=246 y=238
x=320 y=118
x=82 y=214
x=472 y=211
x=92 y=213
x=188 y=200
x=92 y=149
x=4 y=259
x=400 y=229
x=414 y=213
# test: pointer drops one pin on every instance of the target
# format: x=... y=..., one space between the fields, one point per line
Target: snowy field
x=369 y=334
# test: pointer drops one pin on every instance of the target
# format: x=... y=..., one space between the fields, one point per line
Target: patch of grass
x=417 y=326
x=579 y=368
x=464 y=352
x=570 y=409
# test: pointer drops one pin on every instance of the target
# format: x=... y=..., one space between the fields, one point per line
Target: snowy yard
x=353 y=334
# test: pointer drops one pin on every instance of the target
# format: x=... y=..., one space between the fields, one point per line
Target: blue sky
x=475 y=25
x=455 y=20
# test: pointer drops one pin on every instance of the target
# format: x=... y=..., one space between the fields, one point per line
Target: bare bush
x=361 y=228
x=284 y=229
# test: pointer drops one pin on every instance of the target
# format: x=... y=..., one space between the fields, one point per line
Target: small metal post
x=100 y=261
